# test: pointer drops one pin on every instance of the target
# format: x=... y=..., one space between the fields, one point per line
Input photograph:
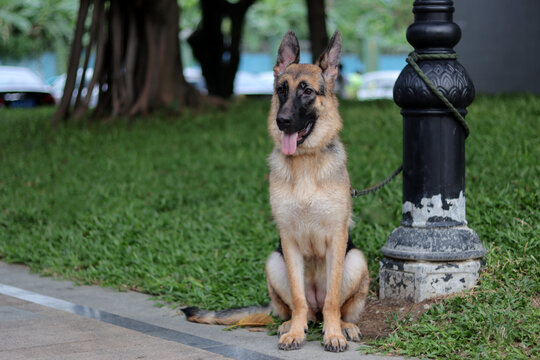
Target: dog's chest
x=302 y=204
x=308 y=217
x=309 y=203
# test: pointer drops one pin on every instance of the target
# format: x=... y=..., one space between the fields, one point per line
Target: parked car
x=246 y=83
x=378 y=85
x=21 y=87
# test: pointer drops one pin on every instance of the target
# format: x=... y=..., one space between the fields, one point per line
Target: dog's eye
x=282 y=89
x=308 y=91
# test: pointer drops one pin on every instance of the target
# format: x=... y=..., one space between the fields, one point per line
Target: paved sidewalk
x=31 y=331
x=43 y=318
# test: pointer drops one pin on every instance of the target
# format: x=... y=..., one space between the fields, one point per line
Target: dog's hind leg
x=355 y=286
x=278 y=285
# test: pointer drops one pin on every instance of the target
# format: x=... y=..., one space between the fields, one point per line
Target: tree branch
x=62 y=112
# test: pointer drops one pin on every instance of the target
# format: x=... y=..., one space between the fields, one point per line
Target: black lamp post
x=433 y=252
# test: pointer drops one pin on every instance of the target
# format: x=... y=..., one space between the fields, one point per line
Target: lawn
x=178 y=207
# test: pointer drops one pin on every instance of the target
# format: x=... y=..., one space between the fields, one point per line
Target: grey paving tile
x=10 y=313
x=58 y=335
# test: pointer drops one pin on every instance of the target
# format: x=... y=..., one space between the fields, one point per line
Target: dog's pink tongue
x=288 y=143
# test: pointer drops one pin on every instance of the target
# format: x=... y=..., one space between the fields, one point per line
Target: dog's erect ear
x=329 y=59
x=289 y=53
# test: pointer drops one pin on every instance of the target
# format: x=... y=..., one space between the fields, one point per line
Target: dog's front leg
x=294 y=262
x=333 y=338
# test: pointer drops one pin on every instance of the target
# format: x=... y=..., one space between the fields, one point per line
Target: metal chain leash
x=356 y=193
x=411 y=60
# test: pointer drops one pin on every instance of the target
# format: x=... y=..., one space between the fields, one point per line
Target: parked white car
x=246 y=83
x=21 y=87
x=378 y=85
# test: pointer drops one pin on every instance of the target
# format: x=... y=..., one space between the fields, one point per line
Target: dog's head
x=304 y=116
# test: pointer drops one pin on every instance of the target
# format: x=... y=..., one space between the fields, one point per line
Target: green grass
x=178 y=208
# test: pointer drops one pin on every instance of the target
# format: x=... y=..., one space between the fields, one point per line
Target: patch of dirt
x=376 y=320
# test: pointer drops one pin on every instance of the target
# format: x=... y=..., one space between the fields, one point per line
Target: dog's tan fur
x=311 y=204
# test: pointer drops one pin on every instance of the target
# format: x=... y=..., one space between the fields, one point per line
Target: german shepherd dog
x=316 y=273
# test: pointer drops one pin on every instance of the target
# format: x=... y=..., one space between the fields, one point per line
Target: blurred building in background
x=500 y=44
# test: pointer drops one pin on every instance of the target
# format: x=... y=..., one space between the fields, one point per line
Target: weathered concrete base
x=417 y=281
x=454 y=243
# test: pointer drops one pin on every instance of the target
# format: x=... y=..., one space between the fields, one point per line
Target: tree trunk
x=62 y=111
x=138 y=67
x=218 y=53
x=318 y=36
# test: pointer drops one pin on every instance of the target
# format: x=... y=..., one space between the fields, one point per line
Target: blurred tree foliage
x=384 y=21
x=268 y=20
x=190 y=16
x=31 y=27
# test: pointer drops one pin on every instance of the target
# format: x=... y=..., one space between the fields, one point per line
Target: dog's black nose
x=284 y=121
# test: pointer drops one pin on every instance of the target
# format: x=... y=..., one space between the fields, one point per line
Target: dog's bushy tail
x=223 y=317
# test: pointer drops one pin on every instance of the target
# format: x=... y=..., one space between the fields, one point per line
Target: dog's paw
x=284 y=328
x=335 y=343
x=291 y=341
x=351 y=331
